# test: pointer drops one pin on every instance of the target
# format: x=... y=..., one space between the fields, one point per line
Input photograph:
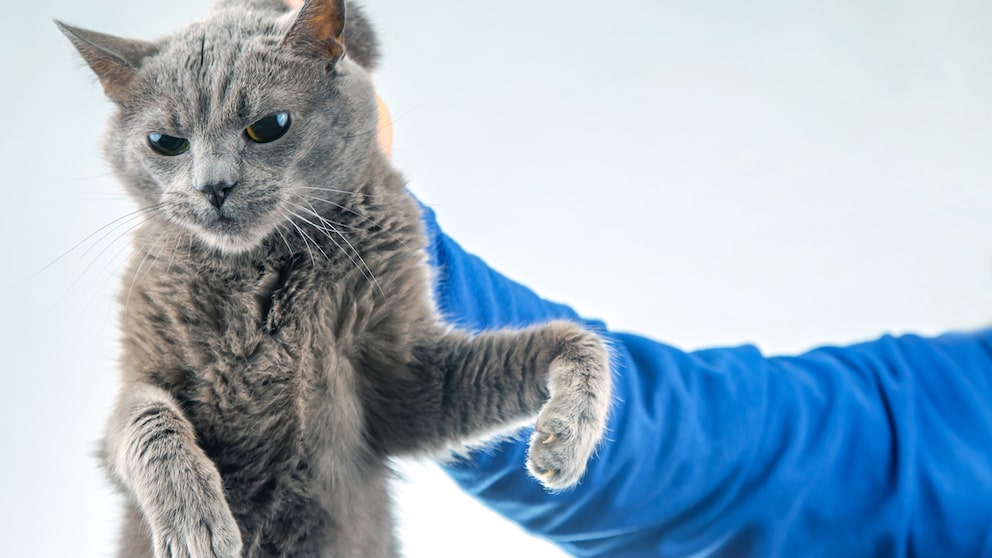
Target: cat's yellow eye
x=168 y=145
x=270 y=128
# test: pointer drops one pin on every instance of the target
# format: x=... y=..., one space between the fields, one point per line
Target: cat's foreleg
x=558 y=372
x=151 y=450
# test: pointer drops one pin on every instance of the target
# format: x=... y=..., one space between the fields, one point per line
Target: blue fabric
x=877 y=449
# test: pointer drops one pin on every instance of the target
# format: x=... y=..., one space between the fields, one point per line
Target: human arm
x=874 y=449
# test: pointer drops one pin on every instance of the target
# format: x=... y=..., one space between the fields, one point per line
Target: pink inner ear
x=325 y=18
x=318 y=29
x=326 y=26
x=114 y=76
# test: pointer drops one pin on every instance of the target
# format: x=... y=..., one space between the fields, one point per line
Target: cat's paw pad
x=556 y=458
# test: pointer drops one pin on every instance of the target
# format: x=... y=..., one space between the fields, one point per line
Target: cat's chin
x=228 y=245
x=229 y=238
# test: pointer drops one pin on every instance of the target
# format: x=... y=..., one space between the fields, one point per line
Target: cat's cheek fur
x=129 y=169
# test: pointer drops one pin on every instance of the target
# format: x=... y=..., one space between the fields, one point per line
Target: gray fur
x=278 y=349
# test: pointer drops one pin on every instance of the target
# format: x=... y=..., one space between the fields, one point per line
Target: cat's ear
x=318 y=30
x=114 y=60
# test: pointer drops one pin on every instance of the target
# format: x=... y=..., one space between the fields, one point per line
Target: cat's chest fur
x=261 y=358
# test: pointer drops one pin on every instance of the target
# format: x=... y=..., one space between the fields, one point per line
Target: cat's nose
x=217 y=192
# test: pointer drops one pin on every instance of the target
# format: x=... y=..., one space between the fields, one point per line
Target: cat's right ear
x=318 y=30
x=114 y=60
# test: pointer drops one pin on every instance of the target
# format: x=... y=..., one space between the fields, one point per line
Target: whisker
x=304 y=236
x=158 y=255
x=100 y=254
x=365 y=219
x=137 y=272
x=157 y=209
x=87 y=178
x=315 y=244
x=325 y=219
x=334 y=191
x=114 y=241
x=175 y=248
x=339 y=206
x=284 y=239
x=313 y=211
x=370 y=276
x=127 y=217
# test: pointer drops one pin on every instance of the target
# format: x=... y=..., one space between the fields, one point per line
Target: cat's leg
x=467 y=386
x=151 y=450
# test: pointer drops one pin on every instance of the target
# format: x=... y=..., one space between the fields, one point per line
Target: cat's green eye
x=168 y=145
x=270 y=128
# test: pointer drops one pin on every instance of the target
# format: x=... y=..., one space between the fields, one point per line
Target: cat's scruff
x=279 y=337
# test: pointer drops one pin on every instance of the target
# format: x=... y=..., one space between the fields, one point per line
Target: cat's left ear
x=318 y=30
x=114 y=60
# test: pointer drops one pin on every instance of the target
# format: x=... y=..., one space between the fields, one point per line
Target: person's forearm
x=824 y=454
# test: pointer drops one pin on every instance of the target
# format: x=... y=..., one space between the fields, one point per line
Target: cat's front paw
x=207 y=530
x=573 y=420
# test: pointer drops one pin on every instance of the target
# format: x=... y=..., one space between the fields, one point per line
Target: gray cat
x=280 y=342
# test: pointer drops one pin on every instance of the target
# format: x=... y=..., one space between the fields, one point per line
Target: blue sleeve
x=877 y=449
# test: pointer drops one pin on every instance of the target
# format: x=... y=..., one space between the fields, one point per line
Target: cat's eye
x=270 y=128
x=168 y=145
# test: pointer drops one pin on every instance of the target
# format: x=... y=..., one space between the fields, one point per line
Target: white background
x=706 y=172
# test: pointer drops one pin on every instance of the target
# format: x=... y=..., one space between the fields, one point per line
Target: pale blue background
x=707 y=172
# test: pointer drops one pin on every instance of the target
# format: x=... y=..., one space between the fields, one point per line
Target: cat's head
x=227 y=126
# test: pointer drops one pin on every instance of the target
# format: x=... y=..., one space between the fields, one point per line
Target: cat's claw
x=573 y=421
x=548 y=476
x=558 y=458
